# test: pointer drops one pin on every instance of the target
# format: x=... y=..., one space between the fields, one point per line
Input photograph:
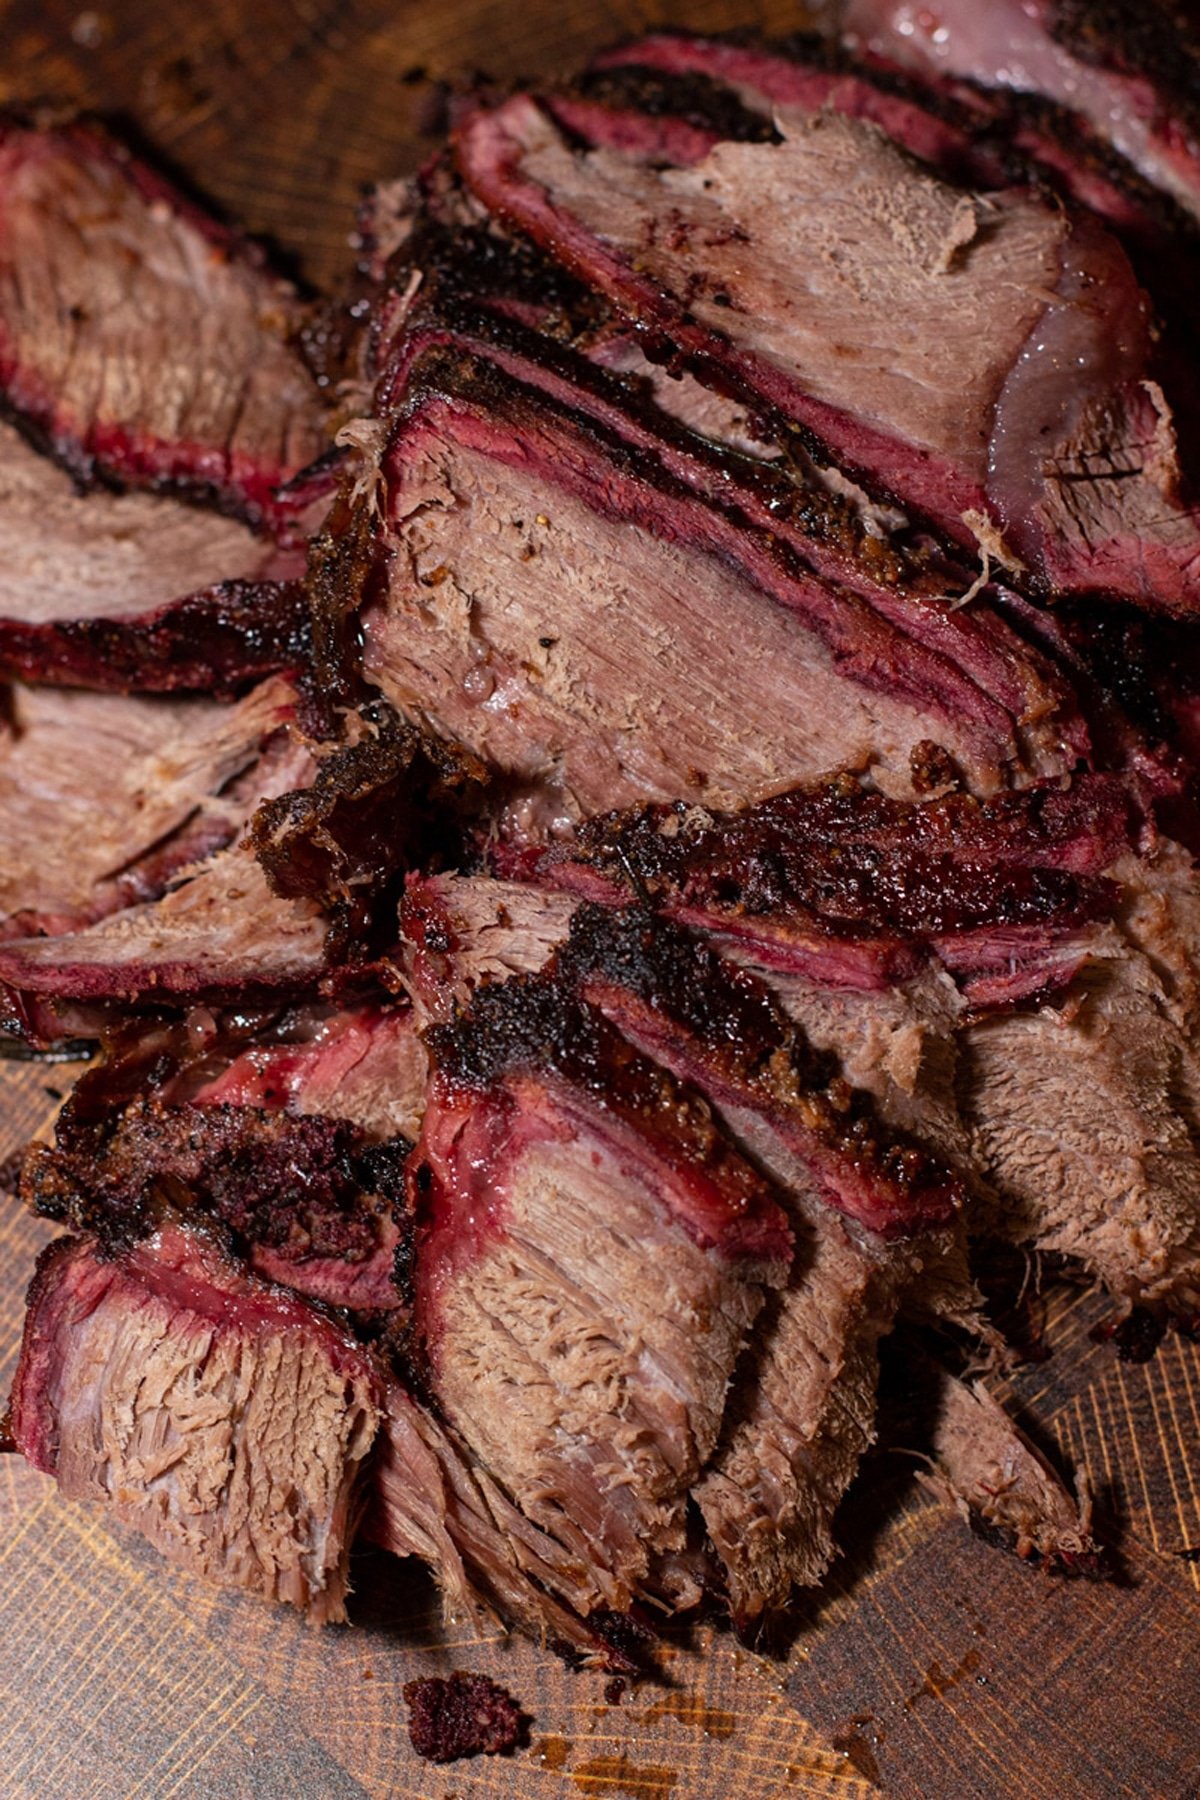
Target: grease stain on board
x=608 y=1775
x=552 y=1752
x=939 y=1681
x=690 y=1709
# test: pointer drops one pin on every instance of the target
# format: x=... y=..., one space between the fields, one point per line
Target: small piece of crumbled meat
x=460 y=1715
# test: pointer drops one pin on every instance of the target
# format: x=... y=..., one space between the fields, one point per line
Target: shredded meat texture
x=1081 y=1118
x=184 y=1395
x=104 y=797
x=460 y=1715
x=990 y=1472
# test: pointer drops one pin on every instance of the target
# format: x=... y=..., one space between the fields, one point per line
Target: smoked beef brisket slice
x=888 y=612
x=683 y=1006
x=136 y=591
x=312 y=1207
x=1082 y=1117
x=363 y=1063
x=974 y=136
x=291 y=1130
x=979 y=300
x=590 y=1254
x=221 y=1418
x=138 y=337
x=503 y=611
x=221 y=933
x=1130 y=68
x=801 y=1408
x=858 y=890
x=105 y=797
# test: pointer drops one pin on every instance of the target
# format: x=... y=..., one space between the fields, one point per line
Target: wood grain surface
x=931 y=1666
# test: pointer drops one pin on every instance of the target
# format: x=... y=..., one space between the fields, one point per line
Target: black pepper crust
x=696 y=100
x=857 y=860
x=1154 y=38
x=736 y=1025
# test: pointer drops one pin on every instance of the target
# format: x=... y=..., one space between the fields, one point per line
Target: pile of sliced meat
x=617 y=805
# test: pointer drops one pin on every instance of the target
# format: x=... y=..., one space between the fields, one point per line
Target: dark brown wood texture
x=931 y=1664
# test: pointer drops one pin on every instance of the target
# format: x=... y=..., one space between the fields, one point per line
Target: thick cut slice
x=1131 y=70
x=136 y=590
x=857 y=890
x=218 y=1416
x=801 y=1410
x=591 y=1251
x=719 y=1028
x=800 y=1417
x=680 y=1003
x=311 y=1204
x=138 y=336
x=1008 y=406
x=104 y=797
x=889 y=614
x=992 y=138
x=506 y=616
x=1079 y=1117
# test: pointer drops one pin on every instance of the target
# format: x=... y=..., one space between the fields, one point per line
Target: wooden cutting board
x=930 y=1665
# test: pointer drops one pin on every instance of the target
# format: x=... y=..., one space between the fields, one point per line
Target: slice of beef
x=801 y=1409
x=889 y=612
x=501 y=612
x=986 y=1468
x=104 y=798
x=680 y=1003
x=137 y=336
x=800 y=1417
x=430 y=1499
x=364 y=1063
x=552 y=1157
x=717 y=1027
x=1079 y=1117
x=311 y=1205
x=978 y=137
x=220 y=933
x=811 y=74
x=857 y=889
x=1131 y=71
x=221 y=1418
x=136 y=591
x=993 y=138
x=1009 y=408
